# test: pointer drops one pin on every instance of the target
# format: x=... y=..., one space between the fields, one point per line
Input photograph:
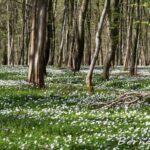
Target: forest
x=74 y=74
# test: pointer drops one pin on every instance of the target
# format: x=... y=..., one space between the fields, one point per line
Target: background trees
x=69 y=37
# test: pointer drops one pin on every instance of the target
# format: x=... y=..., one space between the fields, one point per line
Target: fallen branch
x=127 y=99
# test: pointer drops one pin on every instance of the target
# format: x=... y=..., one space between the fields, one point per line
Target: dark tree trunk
x=136 y=39
x=80 y=38
x=49 y=38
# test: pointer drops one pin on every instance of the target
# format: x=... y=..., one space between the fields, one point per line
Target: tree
x=64 y=22
x=114 y=37
x=80 y=38
x=23 y=58
x=136 y=41
x=49 y=50
x=97 y=43
x=10 y=35
x=38 y=38
x=129 y=35
x=70 y=37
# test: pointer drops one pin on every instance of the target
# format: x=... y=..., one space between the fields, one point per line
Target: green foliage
x=57 y=117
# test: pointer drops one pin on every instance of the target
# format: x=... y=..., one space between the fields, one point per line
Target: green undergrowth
x=11 y=76
x=60 y=116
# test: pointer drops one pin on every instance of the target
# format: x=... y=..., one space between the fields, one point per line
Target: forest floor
x=65 y=116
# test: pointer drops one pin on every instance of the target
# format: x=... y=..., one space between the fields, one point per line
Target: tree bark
x=97 y=43
x=136 y=39
x=38 y=37
x=129 y=36
x=80 y=37
x=63 y=34
x=114 y=36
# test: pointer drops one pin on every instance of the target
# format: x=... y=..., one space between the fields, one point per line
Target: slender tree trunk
x=80 y=37
x=52 y=29
x=97 y=43
x=89 y=44
x=9 y=37
x=129 y=37
x=136 y=38
x=49 y=39
x=73 y=24
x=22 y=55
x=114 y=36
x=63 y=34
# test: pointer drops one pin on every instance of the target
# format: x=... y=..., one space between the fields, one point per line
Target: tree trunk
x=63 y=34
x=80 y=38
x=114 y=36
x=38 y=37
x=97 y=43
x=10 y=39
x=136 y=39
x=22 y=55
x=49 y=39
x=129 y=36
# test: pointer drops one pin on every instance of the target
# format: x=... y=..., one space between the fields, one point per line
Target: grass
x=61 y=117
